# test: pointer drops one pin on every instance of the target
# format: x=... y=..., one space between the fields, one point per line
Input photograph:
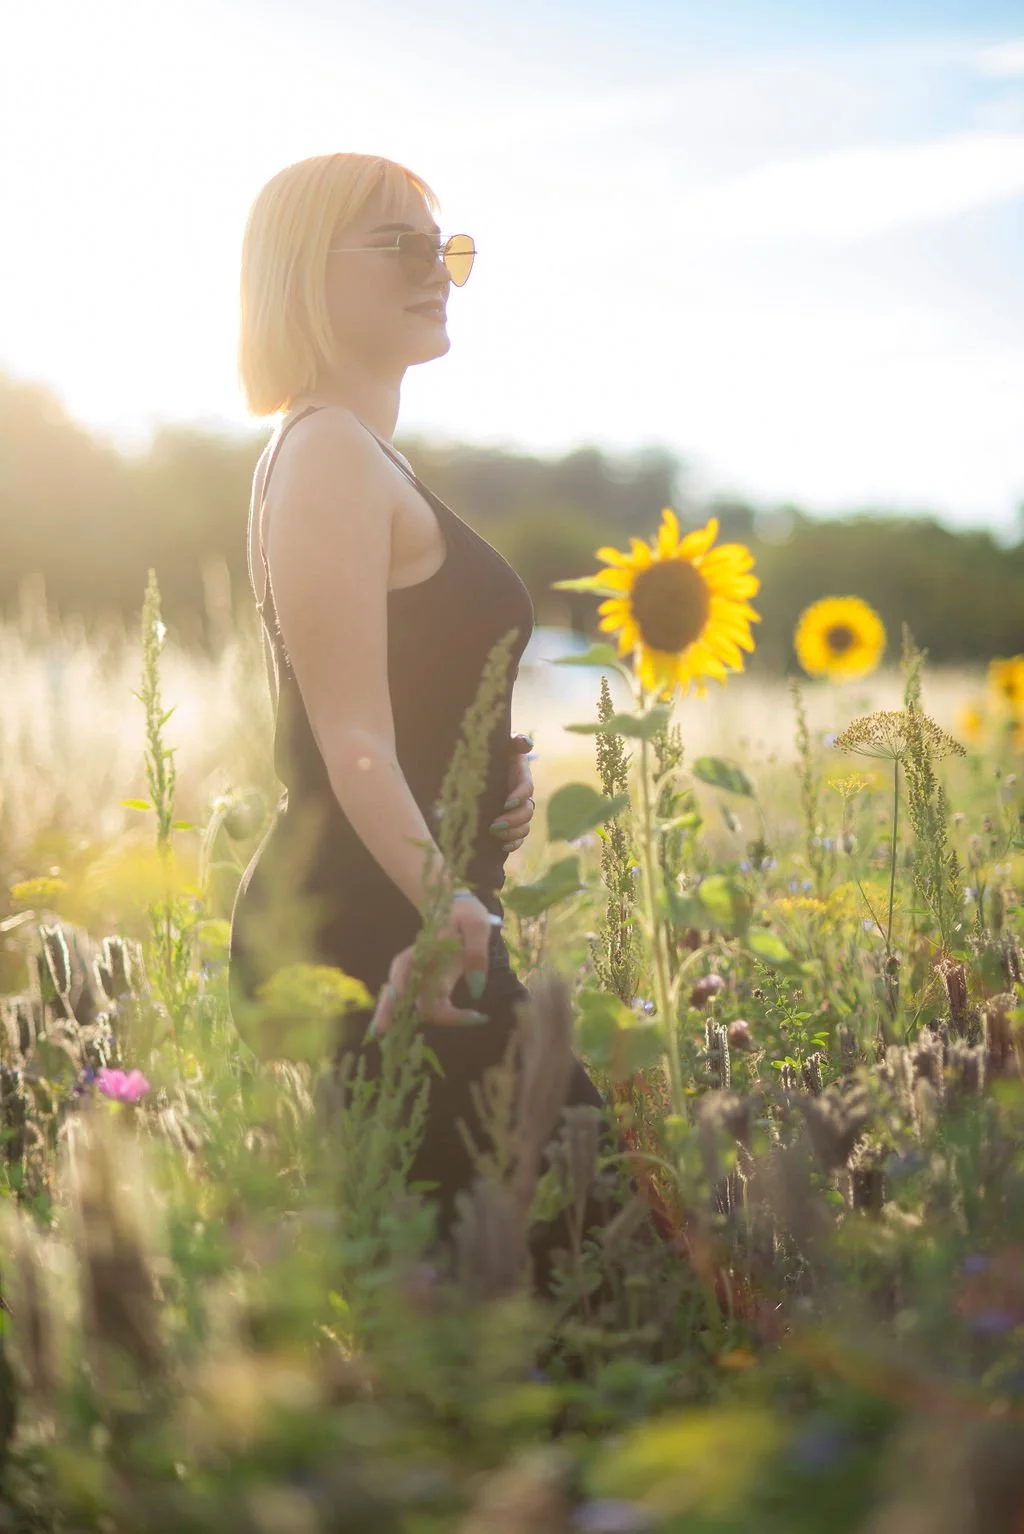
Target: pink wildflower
x=121 y=1087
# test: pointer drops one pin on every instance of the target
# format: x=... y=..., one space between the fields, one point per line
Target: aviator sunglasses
x=417 y=252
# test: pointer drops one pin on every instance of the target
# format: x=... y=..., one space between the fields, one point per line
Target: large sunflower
x=683 y=609
x=839 y=637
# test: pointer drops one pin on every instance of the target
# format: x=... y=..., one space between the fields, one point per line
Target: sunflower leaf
x=576 y=808
x=720 y=774
x=633 y=726
x=556 y=883
x=597 y=655
x=592 y=583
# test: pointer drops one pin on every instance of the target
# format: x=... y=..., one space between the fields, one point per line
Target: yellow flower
x=839 y=637
x=970 y=722
x=43 y=890
x=1006 y=678
x=683 y=608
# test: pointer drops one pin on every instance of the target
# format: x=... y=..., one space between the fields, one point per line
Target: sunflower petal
x=700 y=541
x=668 y=533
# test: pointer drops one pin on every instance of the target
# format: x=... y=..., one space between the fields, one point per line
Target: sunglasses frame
x=440 y=252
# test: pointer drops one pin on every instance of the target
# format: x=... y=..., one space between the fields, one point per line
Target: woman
x=379 y=608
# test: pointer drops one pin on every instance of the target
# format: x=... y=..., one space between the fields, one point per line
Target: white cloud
x=1002 y=58
x=858 y=192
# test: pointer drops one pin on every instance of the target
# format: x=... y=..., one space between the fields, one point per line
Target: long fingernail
x=499 y=825
x=474 y=1017
x=511 y=804
x=475 y=981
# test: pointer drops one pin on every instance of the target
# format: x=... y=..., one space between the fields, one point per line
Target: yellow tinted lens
x=458 y=258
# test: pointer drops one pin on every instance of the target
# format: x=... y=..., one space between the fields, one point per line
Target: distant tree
x=90 y=521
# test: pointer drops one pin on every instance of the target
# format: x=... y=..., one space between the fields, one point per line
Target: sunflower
x=682 y=609
x=1006 y=679
x=839 y=637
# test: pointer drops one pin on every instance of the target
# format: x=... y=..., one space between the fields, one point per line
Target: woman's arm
x=328 y=543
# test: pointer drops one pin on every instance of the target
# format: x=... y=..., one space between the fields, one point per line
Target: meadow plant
x=221 y=1305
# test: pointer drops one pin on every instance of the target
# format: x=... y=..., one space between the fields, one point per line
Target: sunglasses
x=417 y=252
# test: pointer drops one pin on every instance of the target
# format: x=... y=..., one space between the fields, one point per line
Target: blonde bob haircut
x=285 y=336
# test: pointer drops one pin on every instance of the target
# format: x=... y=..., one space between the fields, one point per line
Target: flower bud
x=706 y=987
x=739 y=1034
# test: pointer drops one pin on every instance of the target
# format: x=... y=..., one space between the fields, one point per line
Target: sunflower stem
x=662 y=985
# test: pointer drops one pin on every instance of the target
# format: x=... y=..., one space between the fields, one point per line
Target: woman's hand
x=513 y=824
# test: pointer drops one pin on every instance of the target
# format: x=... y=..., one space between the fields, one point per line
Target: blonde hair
x=285 y=334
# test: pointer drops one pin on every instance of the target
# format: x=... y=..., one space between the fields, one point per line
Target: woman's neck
x=373 y=402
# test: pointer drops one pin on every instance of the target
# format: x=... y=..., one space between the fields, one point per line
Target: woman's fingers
x=515 y=822
x=434 y=1002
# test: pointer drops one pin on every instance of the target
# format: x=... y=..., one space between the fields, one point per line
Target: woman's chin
x=435 y=347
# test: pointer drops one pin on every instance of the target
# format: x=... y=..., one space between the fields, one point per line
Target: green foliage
x=725 y=775
x=576 y=808
x=222 y=1306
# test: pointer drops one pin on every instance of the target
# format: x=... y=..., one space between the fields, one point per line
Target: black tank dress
x=314 y=892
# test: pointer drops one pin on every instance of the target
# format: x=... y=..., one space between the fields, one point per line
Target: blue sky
x=783 y=239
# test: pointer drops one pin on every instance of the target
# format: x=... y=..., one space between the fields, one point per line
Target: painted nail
x=512 y=804
x=499 y=825
x=474 y=1017
x=475 y=981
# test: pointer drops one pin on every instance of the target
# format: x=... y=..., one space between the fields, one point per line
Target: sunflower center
x=670 y=604
x=839 y=638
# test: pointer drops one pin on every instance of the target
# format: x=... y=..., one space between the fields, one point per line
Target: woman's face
x=370 y=296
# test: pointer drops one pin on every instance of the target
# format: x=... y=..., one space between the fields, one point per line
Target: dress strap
x=263 y=496
x=386 y=446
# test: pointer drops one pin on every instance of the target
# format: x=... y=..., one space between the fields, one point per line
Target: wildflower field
x=798 y=978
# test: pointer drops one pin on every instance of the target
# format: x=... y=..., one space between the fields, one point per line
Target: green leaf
x=597 y=655
x=592 y=583
x=769 y=948
x=182 y=825
x=700 y=1463
x=633 y=726
x=718 y=904
x=614 y=1038
x=576 y=808
x=687 y=822
x=136 y=804
x=557 y=883
x=720 y=774
x=731 y=819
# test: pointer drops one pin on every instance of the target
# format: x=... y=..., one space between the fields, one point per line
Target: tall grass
x=224 y=1307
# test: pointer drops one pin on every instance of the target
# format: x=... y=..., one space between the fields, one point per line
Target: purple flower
x=121 y=1087
x=607 y=1516
x=819 y=1446
x=976 y=1262
x=992 y=1323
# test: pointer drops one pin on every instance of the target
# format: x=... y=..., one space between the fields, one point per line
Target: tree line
x=90 y=521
